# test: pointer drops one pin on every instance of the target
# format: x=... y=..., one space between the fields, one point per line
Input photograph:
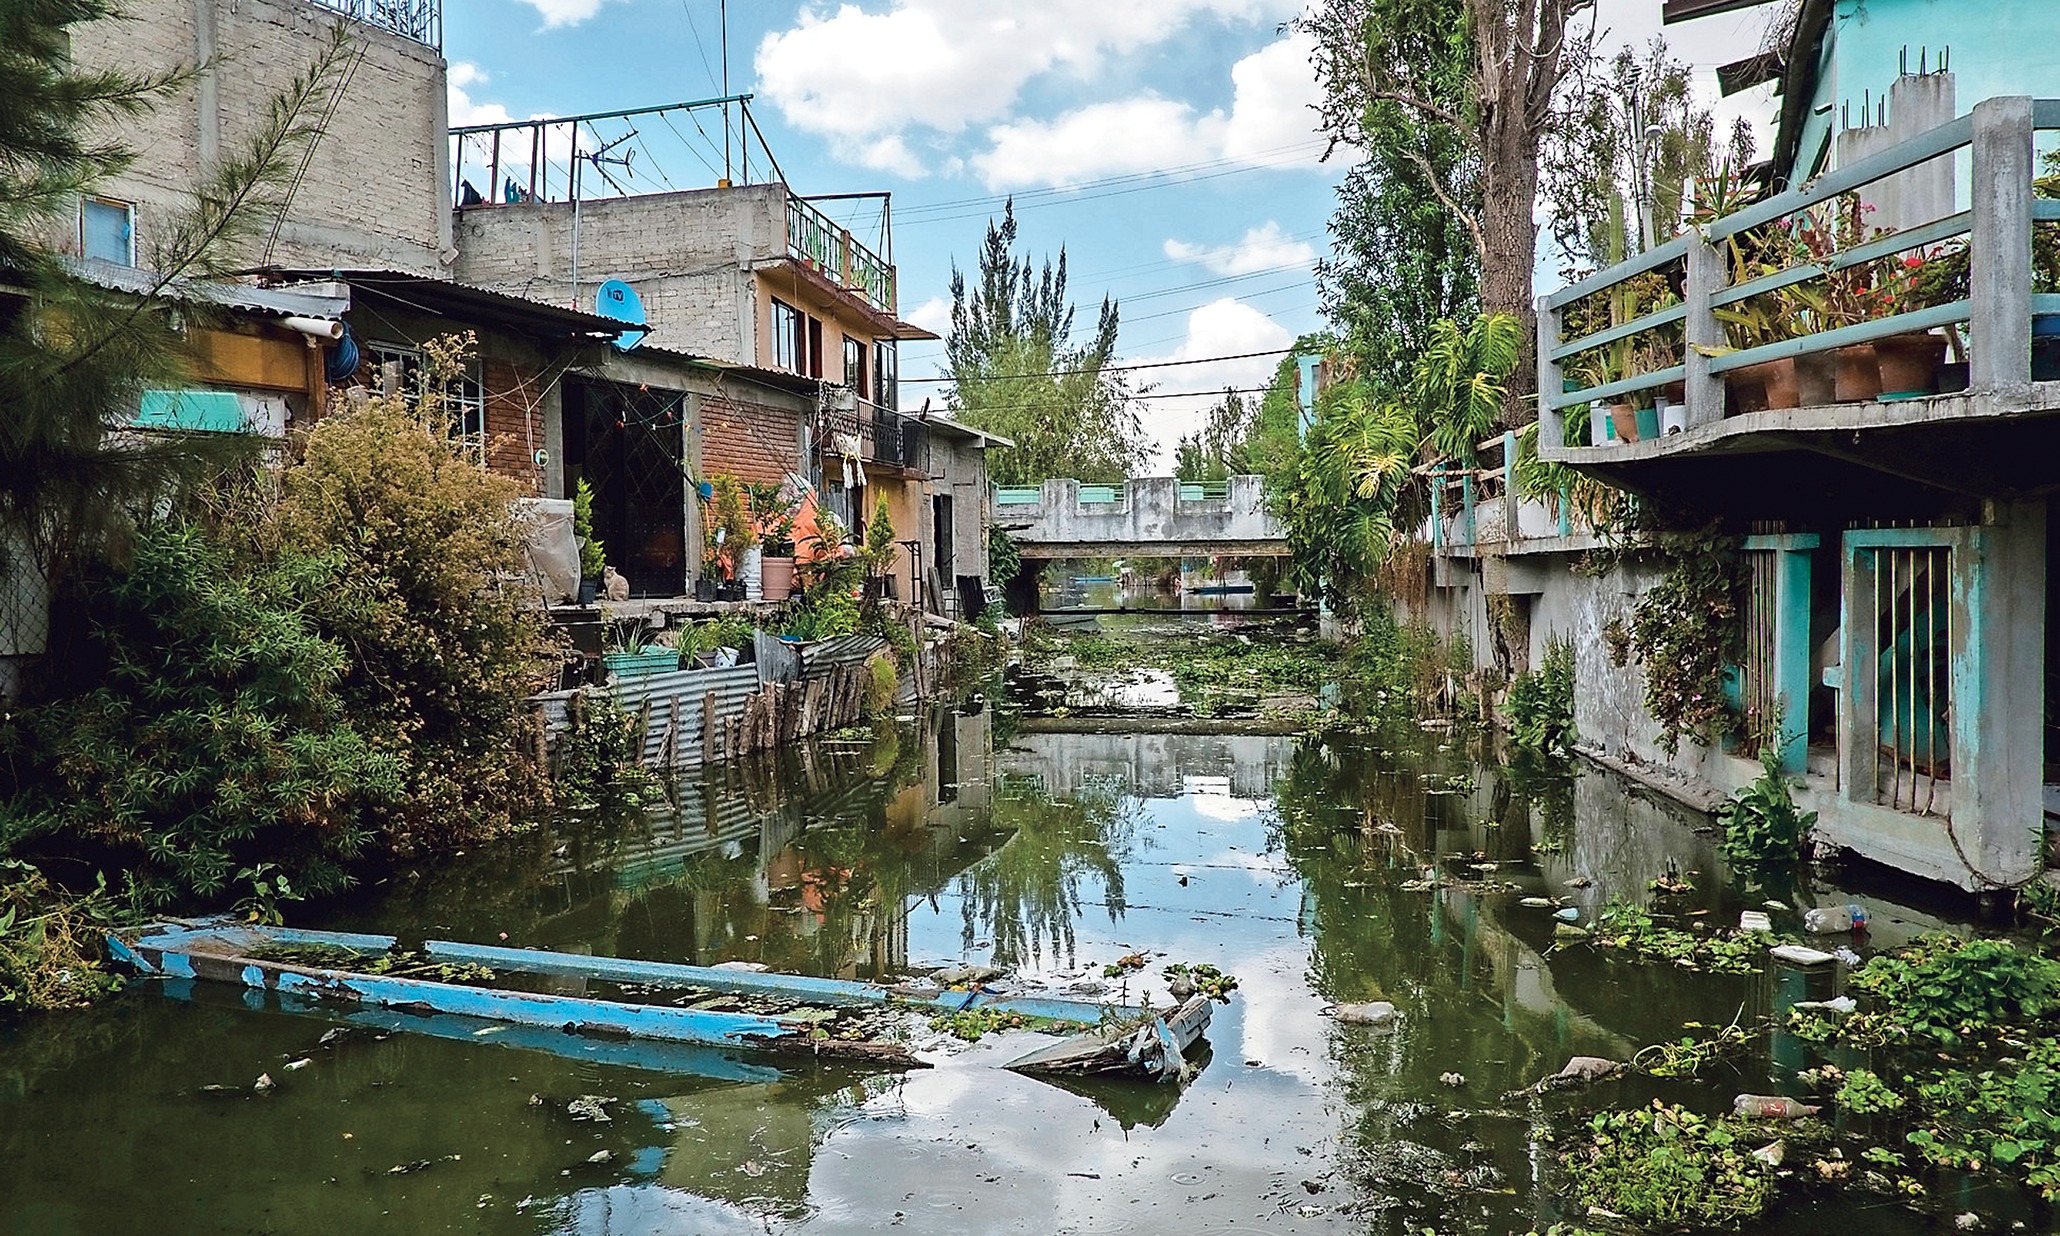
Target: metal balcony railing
x=875 y=434
x=815 y=238
x=420 y=20
x=1738 y=309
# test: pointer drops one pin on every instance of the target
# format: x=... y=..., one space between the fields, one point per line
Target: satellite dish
x=619 y=302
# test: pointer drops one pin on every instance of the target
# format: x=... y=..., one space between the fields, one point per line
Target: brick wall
x=514 y=423
x=373 y=194
x=750 y=441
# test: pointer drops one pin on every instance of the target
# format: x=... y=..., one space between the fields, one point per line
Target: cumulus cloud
x=1265 y=247
x=1270 y=123
x=933 y=314
x=942 y=66
x=564 y=12
x=458 y=81
x=1225 y=327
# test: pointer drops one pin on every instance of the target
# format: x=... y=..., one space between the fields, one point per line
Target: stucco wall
x=373 y=193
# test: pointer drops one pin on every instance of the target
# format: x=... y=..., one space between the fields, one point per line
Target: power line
x=1072 y=373
x=1213 y=393
x=1023 y=195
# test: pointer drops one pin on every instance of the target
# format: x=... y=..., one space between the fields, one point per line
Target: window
x=464 y=397
x=854 y=366
x=786 y=336
x=886 y=374
x=107 y=230
x=815 y=348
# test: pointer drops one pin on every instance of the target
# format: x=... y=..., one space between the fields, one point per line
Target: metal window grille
x=420 y=20
x=1913 y=617
x=463 y=399
x=1760 y=680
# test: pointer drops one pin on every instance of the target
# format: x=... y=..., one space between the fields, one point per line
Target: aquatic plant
x=1945 y=989
x=1666 y=1166
x=1863 y=1093
x=1691 y=1054
x=1625 y=927
x=50 y=942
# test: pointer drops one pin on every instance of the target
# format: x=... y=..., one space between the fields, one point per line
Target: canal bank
x=1392 y=865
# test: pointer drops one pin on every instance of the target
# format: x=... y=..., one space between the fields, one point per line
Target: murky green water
x=1053 y=851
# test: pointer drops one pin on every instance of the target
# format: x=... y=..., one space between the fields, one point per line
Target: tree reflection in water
x=1026 y=897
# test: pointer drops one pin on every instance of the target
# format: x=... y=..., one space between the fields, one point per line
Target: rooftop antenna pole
x=723 y=9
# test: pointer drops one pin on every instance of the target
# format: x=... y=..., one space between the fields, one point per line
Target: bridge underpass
x=1149 y=517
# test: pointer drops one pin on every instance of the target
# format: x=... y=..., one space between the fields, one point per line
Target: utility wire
x=1030 y=195
x=1071 y=373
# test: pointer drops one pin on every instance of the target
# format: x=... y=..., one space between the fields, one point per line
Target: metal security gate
x=627 y=443
x=1914 y=637
x=1761 y=684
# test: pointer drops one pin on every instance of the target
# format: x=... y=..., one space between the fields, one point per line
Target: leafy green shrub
x=1541 y=703
x=1004 y=560
x=882 y=684
x=217 y=735
x=593 y=558
x=50 y=945
x=444 y=647
x=1761 y=825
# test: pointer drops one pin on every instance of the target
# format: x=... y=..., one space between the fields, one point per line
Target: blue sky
x=1169 y=145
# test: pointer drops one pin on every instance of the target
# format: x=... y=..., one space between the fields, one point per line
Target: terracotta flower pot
x=1624 y=419
x=1909 y=363
x=777 y=578
x=1858 y=373
x=1816 y=379
x=1776 y=381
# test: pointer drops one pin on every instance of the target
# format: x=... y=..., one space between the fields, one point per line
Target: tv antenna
x=602 y=161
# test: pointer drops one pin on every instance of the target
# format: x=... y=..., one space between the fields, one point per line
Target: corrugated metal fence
x=692 y=717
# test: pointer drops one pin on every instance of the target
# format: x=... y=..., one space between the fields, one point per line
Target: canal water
x=1048 y=847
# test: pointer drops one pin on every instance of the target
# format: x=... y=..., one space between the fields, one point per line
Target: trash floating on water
x=1567 y=914
x=1754 y=920
x=1370 y=1013
x=1772 y=1107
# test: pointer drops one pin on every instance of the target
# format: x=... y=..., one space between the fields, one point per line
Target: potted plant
x=632 y=656
x=1849 y=296
x=735 y=536
x=710 y=578
x=593 y=559
x=776 y=538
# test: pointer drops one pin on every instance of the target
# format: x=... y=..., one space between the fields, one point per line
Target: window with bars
x=463 y=398
x=107 y=230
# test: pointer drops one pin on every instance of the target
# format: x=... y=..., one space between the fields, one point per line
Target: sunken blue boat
x=339 y=971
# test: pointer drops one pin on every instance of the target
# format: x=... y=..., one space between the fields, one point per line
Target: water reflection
x=1380 y=867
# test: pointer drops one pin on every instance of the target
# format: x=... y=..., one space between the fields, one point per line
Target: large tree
x=1015 y=370
x=1497 y=117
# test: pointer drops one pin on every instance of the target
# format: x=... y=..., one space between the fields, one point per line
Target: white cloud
x=462 y=75
x=1271 y=123
x=564 y=12
x=1226 y=327
x=933 y=314
x=941 y=66
x=891 y=154
x=1265 y=247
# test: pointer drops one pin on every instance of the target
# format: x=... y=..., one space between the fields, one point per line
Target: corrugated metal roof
x=466 y=303
x=273 y=302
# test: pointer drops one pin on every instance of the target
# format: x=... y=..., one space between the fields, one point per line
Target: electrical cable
x=1072 y=373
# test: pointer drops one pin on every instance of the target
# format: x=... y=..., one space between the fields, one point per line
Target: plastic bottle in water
x=1772 y=1107
x=1830 y=920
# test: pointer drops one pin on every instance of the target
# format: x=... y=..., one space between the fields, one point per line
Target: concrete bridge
x=1150 y=517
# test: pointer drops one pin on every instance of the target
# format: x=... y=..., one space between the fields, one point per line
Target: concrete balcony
x=1981 y=170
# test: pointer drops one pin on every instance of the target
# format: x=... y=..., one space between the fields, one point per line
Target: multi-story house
x=1850 y=372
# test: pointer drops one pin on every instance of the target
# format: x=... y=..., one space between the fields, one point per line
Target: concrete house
x=1897 y=648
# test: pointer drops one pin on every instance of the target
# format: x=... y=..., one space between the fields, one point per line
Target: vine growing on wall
x=1686 y=632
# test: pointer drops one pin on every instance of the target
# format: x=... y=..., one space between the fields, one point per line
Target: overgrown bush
x=598 y=756
x=1541 y=703
x=443 y=647
x=881 y=685
x=217 y=733
x=1686 y=631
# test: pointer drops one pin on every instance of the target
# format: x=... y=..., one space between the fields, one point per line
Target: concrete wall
x=374 y=192
x=1999 y=47
x=961 y=468
x=689 y=255
x=1147 y=514
x=1982 y=835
